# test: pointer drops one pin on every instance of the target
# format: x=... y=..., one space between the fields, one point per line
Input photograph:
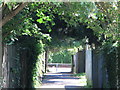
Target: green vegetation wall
x=112 y=58
x=30 y=49
x=61 y=57
x=38 y=71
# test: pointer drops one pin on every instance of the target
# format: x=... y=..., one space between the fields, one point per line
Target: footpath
x=62 y=81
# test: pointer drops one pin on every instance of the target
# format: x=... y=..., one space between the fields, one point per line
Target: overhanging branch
x=12 y=14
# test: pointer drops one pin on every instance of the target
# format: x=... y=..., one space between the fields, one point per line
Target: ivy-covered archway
x=53 y=23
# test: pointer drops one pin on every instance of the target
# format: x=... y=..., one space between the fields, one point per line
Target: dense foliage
x=30 y=52
x=61 y=57
x=69 y=22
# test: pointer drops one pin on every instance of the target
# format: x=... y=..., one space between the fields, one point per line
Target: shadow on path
x=63 y=80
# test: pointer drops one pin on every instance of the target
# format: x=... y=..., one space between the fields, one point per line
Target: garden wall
x=99 y=71
x=79 y=62
x=17 y=67
x=88 y=65
x=11 y=67
x=96 y=72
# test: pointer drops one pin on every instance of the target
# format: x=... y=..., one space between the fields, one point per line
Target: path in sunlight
x=63 y=80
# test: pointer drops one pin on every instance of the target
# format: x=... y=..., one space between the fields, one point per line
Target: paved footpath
x=61 y=81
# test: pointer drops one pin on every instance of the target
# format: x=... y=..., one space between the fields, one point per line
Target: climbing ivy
x=32 y=51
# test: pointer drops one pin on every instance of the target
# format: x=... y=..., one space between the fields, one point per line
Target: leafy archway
x=52 y=23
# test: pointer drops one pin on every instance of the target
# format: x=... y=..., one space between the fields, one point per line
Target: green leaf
x=40 y=20
x=50 y=30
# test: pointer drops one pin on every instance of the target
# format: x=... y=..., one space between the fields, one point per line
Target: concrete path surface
x=62 y=81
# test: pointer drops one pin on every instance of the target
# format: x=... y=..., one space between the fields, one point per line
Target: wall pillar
x=72 y=66
x=75 y=63
x=88 y=63
x=81 y=61
x=95 y=69
x=99 y=74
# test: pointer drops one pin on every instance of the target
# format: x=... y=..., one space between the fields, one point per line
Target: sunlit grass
x=79 y=74
x=83 y=80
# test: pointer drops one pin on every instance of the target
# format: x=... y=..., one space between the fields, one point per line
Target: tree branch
x=12 y=14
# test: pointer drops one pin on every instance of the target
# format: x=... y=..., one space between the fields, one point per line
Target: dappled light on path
x=62 y=80
x=57 y=70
